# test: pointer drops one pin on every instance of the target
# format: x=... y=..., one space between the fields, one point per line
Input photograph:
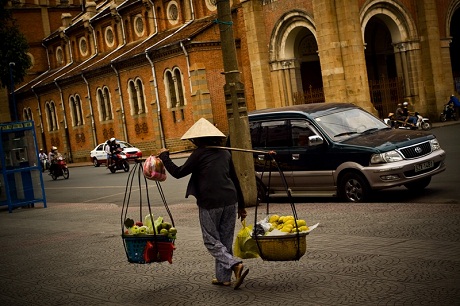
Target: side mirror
x=315 y=140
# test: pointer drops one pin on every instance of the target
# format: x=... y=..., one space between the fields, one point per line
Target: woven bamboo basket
x=282 y=248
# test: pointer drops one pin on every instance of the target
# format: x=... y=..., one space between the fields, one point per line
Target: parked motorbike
x=59 y=168
x=120 y=163
x=422 y=123
x=448 y=113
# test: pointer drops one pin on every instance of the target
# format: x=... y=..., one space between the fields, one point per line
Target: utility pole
x=235 y=100
x=13 y=98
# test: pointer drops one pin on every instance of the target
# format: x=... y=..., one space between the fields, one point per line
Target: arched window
x=179 y=87
x=175 y=93
x=108 y=103
x=136 y=97
x=51 y=116
x=76 y=110
x=27 y=114
x=104 y=104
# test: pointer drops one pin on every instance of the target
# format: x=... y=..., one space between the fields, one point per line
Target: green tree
x=13 y=49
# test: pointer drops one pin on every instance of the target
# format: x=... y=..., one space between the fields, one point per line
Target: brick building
x=145 y=70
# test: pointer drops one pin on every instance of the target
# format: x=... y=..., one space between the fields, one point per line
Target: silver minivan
x=338 y=149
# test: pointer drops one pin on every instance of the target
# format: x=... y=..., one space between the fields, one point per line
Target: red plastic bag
x=154 y=169
x=158 y=251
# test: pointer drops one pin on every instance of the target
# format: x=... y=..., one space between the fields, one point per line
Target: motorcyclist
x=399 y=114
x=456 y=105
x=114 y=146
x=43 y=159
x=53 y=157
x=408 y=116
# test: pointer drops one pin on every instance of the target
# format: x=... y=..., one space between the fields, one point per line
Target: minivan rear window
x=270 y=134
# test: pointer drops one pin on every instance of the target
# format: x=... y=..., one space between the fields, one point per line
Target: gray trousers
x=217 y=228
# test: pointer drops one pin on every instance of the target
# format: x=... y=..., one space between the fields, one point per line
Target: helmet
x=405 y=104
x=112 y=139
x=53 y=148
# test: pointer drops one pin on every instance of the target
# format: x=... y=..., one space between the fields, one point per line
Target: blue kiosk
x=21 y=182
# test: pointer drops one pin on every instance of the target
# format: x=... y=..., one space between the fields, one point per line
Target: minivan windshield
x=348 y=123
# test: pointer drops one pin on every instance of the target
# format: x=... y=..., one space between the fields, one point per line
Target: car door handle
x=295 y=156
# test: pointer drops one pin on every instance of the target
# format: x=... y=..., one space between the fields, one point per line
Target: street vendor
x=218 y=194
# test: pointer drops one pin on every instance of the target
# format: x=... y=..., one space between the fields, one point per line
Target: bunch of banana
x=287 y=224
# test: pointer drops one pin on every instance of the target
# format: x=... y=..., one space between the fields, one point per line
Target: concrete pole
x=235 y=100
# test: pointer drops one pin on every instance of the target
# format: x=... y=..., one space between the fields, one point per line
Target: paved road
x=361 y=254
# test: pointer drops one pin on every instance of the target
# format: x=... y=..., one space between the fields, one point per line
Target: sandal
x=216 y=282
x=239 y=274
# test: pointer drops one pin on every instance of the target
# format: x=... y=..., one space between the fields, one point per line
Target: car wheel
x=419 y=184
x=261 y=191
x=95 y=162
x=354 y=187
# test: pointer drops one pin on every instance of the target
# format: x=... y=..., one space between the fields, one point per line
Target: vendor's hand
x=272 y=152
x=242 y=214
x=163 y=150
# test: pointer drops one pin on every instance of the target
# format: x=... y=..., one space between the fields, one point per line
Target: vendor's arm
x=178 y=171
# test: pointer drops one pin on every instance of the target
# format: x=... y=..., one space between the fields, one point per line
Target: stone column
x=258 y=52
x=341 y=52
x=435 y=85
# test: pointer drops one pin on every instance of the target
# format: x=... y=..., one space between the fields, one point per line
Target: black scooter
x=120 y=162
x=448 y=113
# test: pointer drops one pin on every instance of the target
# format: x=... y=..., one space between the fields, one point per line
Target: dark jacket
x=214 y=182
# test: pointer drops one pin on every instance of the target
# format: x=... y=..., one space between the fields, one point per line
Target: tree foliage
x=13 y=49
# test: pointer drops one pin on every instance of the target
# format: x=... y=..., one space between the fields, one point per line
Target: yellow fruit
x=291 y=222
x=288 y=226
x=288 y=218
x=286 y=230
x=295 y=229
x=274 y=218
x=164 y=232
x=280 y=226
x=301 y=223
x=303 y=228
x=281 y=219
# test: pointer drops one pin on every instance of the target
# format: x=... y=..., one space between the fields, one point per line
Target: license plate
x=423 y=166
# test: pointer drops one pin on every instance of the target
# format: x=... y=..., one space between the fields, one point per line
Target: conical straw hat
x=202 y=128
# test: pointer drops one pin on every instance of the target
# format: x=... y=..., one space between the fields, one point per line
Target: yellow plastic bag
x=245 y=247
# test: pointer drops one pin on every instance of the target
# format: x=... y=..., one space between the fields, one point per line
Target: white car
x=99 y=156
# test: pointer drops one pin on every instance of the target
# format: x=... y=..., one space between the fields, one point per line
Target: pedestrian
x=214 y=183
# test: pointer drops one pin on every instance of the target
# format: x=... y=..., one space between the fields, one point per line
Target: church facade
x=144 y=71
